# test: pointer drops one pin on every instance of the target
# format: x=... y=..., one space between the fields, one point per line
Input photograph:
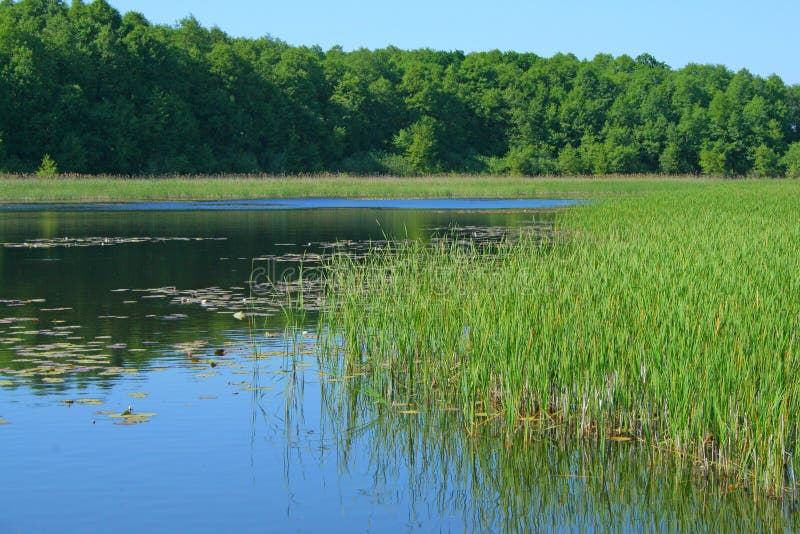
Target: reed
x=669 y=318
x=119 y=189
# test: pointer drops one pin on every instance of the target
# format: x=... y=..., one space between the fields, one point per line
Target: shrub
x=48 y=168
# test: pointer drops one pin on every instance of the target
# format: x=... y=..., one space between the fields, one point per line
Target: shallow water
x=101 y=310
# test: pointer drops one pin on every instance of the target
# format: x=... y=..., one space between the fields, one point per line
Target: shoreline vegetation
x=665 y=315
x=67 y=188
x=669 y=319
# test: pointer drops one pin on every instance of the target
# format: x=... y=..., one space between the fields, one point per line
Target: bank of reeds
x=121 y=189
x=670 y=318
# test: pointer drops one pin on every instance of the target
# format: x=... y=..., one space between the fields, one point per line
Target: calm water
x=105 y=309
x=460 y=204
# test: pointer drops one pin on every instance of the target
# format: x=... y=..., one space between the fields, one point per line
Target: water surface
x=136 y=308
x=301 y=203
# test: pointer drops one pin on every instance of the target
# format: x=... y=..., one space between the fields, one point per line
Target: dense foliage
x=101 y=92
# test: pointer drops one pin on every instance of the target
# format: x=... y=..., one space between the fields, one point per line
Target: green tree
x=791 y=161
x=106 y=92
x=670 y=160
x=419 y=145
x=713 y=161
x=765 y=162
x=528 y=160
x=570 y=162
x=48 y=167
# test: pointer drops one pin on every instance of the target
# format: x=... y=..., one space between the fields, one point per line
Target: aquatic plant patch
x=670 y=319
x=100 y=241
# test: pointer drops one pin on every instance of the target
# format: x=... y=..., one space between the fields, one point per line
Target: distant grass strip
x=111 y=189
x=671 y=318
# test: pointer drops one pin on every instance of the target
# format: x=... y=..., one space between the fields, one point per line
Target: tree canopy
x=103 y=92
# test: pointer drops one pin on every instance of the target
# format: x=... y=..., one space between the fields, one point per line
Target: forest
x=87 y=89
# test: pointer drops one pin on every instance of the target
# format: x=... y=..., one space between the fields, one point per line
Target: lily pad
x=132 y=420
x=124 y=415
x=126 y=418
x=99 y=241
x=89 y=402
x=137 y=395
x=206 y=375
x=128 y=422
x=4 y=422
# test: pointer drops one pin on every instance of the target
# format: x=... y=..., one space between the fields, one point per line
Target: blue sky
x=760 y=36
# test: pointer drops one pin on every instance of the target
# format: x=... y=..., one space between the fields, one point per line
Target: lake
x=152 y=380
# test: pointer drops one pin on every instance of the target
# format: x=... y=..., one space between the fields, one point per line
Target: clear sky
x=760 y=36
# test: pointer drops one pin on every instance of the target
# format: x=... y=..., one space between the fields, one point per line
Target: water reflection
x=250 y=432
x=430 y=465
x=121 y=288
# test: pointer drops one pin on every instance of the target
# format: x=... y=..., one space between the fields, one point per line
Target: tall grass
x=488 y=484
x=108 y=189
x=670 y=318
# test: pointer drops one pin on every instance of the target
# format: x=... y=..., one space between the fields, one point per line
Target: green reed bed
x=119 y=189
x=669 y=318
x=519 y=485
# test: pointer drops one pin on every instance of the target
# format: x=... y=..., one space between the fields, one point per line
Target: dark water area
x=134 y=396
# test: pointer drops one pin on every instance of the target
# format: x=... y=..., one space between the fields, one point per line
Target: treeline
x=101 y=92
